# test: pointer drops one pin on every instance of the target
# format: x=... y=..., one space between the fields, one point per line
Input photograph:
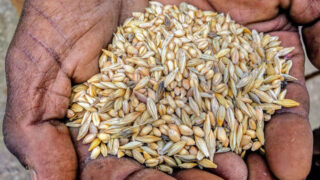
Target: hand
x=57 y=43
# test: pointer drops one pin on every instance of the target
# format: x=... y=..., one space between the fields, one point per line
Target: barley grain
x=177 y=85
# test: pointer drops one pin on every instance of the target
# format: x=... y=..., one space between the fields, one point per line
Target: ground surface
x=10 y=168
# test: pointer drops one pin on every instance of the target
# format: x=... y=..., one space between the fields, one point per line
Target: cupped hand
x=57 y=44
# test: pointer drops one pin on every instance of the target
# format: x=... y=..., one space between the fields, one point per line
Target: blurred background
x=10 y=168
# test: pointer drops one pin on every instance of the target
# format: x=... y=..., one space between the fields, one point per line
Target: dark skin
x=57 y=44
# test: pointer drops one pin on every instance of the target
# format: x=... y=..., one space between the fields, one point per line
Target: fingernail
x=33 y=174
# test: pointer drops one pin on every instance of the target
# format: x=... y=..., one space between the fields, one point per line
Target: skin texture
x=257 y=168
x=57 y=44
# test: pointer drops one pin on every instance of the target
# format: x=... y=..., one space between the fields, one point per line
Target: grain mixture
x=177 y=85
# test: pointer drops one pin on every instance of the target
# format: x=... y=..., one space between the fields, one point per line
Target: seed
x=222 y=136
x=194 y=106
x=187 y=165
x=104 y=150
x=103 y=137
x=189 y=141
x=245 y=140
x=131 y=145
x=148 y=139
x=287 y=103
x=152 y=161
x=251 y=133
x=95 y=152
x=247 y=146
x=142 y=83
x=185 y=130
x=221 y=115
x=94 y=144
x=170 y=77
x=176 y=148
x=211 y=144
x=151 y=106
x=207 y=163
x=149 y=151
x=146 y=155
x=165 y=168
x=156 y=132
x=174 y=135
x=256 y=145
x=88 y=138
x=146 y=130
x=198 y=131
x=120 y=154
x=170 y=161
x=202 y=146
x=137 y=156
x=193 y=150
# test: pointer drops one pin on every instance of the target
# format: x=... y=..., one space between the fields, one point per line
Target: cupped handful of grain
x=177 y=85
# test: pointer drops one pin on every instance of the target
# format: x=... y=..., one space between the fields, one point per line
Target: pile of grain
x=177 y=85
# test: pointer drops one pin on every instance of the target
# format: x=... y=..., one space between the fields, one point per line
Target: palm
x=280 y=26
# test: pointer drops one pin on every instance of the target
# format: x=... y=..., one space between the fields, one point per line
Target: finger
x=278 y=23
x=307 y=13
x=288 y=134
x=289 y=146
x=246 y=12
x=312 y=41
x=44 y=148
x=146 y=174
x=258 y=168
x=303 y=11
x=109 y=168
x=192 y=174
x=230 y=166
